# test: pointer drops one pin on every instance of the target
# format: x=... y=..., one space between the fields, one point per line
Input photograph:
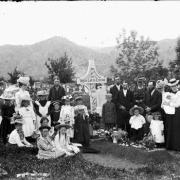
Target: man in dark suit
x=125 y=103
x=56 y=92
x=115 y=91
x=153 y=98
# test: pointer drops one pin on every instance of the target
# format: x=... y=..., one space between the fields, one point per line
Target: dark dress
x=81 y=130
x=173 y=130
x=6 y=127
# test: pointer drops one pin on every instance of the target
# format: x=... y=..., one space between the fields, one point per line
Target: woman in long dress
x=173 y=120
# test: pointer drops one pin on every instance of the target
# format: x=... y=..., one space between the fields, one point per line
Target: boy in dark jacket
x=109 y=115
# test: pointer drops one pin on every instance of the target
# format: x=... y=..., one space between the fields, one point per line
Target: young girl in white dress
x=67 y=116
x=29 y=118
x=62 y=142
x=157 y=129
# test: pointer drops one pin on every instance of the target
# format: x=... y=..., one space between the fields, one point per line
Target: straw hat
x=7 y=96
x=44 y=127
x=141 y=110
x=78 y=98
x=59 y=126
x=173 y=82
x=68 y=97
x=42 y=93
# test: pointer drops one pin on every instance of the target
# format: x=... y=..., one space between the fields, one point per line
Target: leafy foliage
x=61 y=67
x=15 y=75
x=175 y=65
x=136 y=56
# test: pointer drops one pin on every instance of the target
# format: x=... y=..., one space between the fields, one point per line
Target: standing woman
x=7 y=112
x=173 y=120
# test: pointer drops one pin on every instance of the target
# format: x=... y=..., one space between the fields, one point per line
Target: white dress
x=137 y=122
x=67 y=116
x=157 y=128
x=28 y=117
x=43 y=110
x=19 y=96
x=62 y=144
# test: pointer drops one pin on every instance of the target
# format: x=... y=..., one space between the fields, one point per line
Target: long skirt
x=173 y=131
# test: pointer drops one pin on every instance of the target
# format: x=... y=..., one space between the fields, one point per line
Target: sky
x=93 y=24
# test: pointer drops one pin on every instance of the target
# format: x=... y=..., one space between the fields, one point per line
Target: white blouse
x=175 y=101
x=137 y=122
x=15 y=139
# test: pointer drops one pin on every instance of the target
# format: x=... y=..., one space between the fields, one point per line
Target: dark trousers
x=136 y=134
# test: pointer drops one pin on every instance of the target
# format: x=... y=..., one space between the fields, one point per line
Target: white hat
x=23 y=80
x=173 y=82
x=7 y=96
x=42 y=93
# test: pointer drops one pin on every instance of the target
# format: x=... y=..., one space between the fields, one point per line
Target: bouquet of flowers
x=119 y=136
x=148 y=142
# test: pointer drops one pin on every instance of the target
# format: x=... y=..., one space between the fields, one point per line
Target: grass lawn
x=156 y=164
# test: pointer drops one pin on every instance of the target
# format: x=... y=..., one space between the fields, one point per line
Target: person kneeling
x=62 y=141
x=17 y=135
x=47 y=149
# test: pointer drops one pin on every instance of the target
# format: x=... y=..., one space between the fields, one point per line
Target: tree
x=135 y=56
x=61 y=67
x=174 y=66
x=15 y=75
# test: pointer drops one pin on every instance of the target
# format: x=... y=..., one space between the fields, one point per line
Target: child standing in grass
x=136 y=121
x=157 y=129
x=109 y=113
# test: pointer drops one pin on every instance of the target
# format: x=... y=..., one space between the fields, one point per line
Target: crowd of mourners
x=149 y=110
x=59 y=123
x=51 y=121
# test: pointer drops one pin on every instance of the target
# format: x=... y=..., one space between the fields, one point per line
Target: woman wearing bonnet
x=171 y=106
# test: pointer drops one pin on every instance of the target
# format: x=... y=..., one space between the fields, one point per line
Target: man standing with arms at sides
x=115 y=91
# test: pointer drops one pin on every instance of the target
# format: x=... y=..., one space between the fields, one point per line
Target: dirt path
x=111 y=161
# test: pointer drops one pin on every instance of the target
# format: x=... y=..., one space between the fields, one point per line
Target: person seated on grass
x=157 y=129
x=17 y=135
x=62 y=141
x=46 y=146
x=136 y=121
x=44 y=122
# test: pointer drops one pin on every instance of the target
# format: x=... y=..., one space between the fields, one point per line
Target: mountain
x=31 y=58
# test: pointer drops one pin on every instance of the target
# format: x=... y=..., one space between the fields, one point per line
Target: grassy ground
x=156 y=164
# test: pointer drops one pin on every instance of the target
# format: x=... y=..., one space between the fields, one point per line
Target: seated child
x=81 y=126
x=67 y=116
x=136 y=121
x=47 y=149
x=109 y=113
x=62 y=142
x=157 y=129
x=17 y=135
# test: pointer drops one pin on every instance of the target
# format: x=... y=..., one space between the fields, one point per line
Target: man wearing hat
x=57 y=91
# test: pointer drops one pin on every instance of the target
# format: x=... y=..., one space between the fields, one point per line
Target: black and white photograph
x=90 y=90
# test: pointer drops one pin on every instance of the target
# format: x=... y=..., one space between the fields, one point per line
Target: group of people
x=58 y=127
x=148 y=110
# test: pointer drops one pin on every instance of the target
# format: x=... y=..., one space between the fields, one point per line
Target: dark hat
x=59 y=126
x=78 y=98
x=43 y=119
x=44 y=127
x=141 y=110
x=55 y=102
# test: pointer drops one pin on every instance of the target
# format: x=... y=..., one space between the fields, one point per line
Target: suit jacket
x=55 y=95
x=154 y=101
x=126 y=101
x=114 y=91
